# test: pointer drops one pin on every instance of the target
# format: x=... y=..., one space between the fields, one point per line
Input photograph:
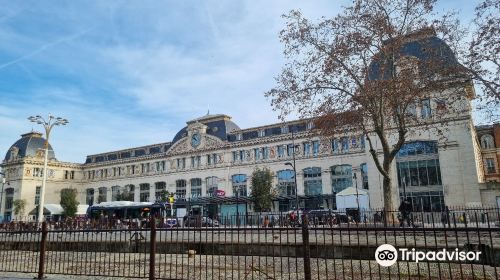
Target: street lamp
x=47 y=125
x=1 y=193
x=294 y=173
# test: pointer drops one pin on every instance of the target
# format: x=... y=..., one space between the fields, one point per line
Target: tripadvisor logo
x=387 y=255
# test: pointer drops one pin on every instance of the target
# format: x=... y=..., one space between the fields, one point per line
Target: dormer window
x=284 y=129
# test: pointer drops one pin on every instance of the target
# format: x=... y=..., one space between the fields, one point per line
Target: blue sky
x=131 y=73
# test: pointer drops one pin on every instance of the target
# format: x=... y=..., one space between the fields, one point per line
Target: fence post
x=43 y=244
x=307 y=249
x=152 y=249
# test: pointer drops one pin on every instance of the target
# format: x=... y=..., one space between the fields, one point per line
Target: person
x=405 y=210
x=445 y=217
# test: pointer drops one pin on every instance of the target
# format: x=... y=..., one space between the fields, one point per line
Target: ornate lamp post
x=47 y=125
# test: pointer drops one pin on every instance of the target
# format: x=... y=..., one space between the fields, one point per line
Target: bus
x=128 y=211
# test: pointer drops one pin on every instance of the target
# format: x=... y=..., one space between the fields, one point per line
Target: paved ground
x=175 y=266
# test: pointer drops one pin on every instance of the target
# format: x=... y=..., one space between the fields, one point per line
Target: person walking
x=405 y=210
x=445 y=216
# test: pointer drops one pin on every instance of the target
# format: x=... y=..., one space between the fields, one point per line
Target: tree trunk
x=387 y=188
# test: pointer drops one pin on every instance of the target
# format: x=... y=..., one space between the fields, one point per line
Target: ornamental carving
x=220 y=158
x=179 y=147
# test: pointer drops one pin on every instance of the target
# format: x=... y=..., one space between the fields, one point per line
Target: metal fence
x=261 y=246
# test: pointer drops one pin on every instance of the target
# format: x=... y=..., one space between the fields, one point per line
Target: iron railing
x=257 y=246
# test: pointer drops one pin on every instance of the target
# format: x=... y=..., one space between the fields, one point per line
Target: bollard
x=307 y=249
x=43 y=244
x=152 y=249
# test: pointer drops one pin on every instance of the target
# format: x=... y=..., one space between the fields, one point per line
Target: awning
x=56 y=209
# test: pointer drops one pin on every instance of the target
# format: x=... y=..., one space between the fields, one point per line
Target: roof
x=352 y=191
x=28 y=146
x=56 y=209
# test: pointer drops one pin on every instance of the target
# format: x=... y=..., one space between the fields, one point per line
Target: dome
x=28 y=146
x=218 y=125
x=423 y=45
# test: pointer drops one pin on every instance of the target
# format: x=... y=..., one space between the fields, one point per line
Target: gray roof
x=28 y=145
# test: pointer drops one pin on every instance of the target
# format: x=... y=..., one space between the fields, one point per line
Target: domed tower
x=31 y=144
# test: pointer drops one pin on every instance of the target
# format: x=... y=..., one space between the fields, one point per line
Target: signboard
x=220 y=193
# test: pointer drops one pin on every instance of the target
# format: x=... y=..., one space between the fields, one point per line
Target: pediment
x=184 y=146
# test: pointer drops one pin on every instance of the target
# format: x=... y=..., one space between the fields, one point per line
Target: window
x=335 y=146
x=312 y=181
x=315 y=145
x=265 y=153
x=281 y=151
x=341 y=177
x=102 y=194
x=195 y=161
x=345 y=144
x=209 y=159
x=115 y=192
x=212 y=185
x=256 y=153
x=284 y=129
x=286 y=182
x=196 y=187
x=364 y=175
x=38 y=172
x=9 y=198
x=235 y=156
x=487 y=142
x=144 y=192
x=37 y=195
x=239 y=182
x=131 y=192
x=242 y=155
x=362 y=141
x=425 y=111
x=411 y=110
x=181 y=163
x=89 y=197
x=289 y=150
x=490 y=165
x=214 y=159
x=160 y=188
x=180 y=189
x=307 y=148
x=66 y=174
x=160 y=166
x=419 y=175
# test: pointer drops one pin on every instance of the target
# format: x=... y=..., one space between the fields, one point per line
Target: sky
x=131 y=73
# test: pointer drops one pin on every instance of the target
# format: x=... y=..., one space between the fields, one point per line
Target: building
x=488 y=137
x=209 y=162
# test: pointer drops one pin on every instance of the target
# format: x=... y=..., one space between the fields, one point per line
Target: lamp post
x=357 y=194
x=47 y=125
x=1 y=194
x=294 y=174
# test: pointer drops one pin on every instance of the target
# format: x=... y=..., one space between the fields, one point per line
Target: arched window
x=487 y=142
x=286 y=182
x=212 y=185
x=115 y=193
x=144 y=194
x=89 y=197
x=102 y=194
x=128 y=193
x=180 y=189
x=341 y=177
x=239 y=182
x=196 y=187
x=312 y=181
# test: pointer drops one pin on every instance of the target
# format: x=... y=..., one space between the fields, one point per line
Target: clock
x=195 y=140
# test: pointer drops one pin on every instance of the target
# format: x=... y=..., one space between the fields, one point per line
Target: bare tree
x=368 y=68
x=482 y=57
